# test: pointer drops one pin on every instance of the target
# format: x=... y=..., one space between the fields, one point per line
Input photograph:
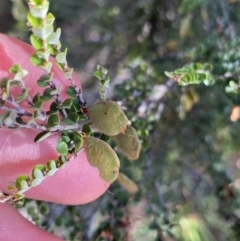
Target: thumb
x=78 y=182
x=15 y=227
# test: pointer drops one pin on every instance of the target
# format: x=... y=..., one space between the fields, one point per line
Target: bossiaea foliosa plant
x=41 y=98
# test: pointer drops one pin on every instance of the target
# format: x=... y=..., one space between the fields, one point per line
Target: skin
x=77 y=183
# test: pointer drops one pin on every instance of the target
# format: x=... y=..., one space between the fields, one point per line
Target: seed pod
x=185 y=27
x=101 y=155
x=128 y=143
x=129 y=185
x=108 y=117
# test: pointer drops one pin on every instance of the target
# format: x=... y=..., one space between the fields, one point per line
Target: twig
x=225 y=11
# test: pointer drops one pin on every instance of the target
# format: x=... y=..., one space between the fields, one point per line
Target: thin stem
x=225 y=11
x=4 y=198
x=59 y=128
x=20 y=111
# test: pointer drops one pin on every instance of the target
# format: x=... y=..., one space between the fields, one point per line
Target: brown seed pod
x=128 y=143
x=108 y=117
x=129 y=185
x=101 y=155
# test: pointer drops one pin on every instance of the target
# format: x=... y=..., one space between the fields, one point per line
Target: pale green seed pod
x=128 y=143
x=108 y=117
x=101 y=155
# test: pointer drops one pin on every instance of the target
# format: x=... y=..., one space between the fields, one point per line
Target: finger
x=78 y=182
x=14 y=51
x=15 y=227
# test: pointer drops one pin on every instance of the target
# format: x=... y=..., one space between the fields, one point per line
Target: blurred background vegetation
x=188 y=173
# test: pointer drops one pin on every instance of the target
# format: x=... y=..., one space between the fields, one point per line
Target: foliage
x=62 y=116
x=187 y=176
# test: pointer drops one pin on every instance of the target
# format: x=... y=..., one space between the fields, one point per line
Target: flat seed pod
x=129 y=185
x=128 y=143
x=185 y=27
x=101 y=155
x=108 y=117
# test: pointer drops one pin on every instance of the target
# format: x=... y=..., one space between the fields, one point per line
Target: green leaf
x=38 y=105
x=36 y=42
x=36 y=98
x=22 y=96
x=15 y=83
x=34 y=22
x=53 y=120
x=53 y=38
x=43 y=54
x=19 y=120
x=43 y=81
x=37 y=173
x=35 y=60
x=145 y=144
x=55 y=92
x=58 y=221
x=46 y=96
x=42 y=136
x=207 y=67
x=87 y=129
x=42 y=32
x=3 y=82
x=21 y=182
x=105 y=138
x=31 y=210
x=44 y=209
x=52 y=49
x=36 y=182
x=19 y=199
x=62 y=148
x=68 y=133
x=61 y=57
x=60 y=66
x=47 y=67
x=106 y=82
x=65 y=139
x=36 y=2
x=71 y=92
x=42 y=168
x=52 y=165
x=74 y=108
x=50 y=18
x=102 y=70
x=78 y=141
x=98 y=74
x=68 y=74
x=15 y=69
x=40 y=11
x=8 y=87
x=35 y=114
x=71 y=119
x=62 y=160
x=196 y=66
x=20 y=75
x=54 y=107
x=66 y=104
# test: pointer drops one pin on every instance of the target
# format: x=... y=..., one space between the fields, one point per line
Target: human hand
x=77 y=183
